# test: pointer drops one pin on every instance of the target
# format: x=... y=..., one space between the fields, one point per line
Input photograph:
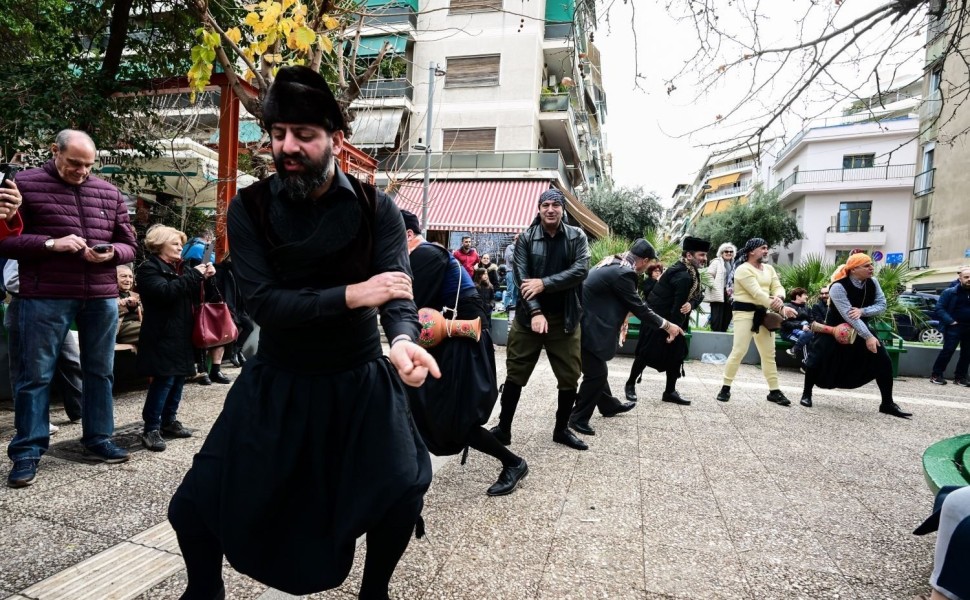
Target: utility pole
x=433 y=70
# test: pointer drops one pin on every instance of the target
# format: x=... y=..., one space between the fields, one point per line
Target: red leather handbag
x=213 y=324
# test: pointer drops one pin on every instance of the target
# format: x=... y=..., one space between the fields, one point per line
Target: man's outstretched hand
x=413 y=363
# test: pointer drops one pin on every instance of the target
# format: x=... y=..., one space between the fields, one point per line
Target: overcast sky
x=646 y=127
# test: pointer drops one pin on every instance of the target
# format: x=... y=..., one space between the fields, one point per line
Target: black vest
x=858 y=298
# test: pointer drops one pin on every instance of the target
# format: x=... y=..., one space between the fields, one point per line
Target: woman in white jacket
x=719 y=295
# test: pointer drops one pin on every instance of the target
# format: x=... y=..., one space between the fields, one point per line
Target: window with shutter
x=472 y=71
x=467 y=6
x=463 y=140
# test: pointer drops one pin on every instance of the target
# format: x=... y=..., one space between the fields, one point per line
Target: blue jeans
x=801 y=338
x=953 y=337
x=37 y=331
x=162 y=402
x=511 y=295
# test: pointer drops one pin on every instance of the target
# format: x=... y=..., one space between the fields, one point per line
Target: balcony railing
x=392 y=15
x=729 y=191
x=725 y=168
x=855 y=228
x=534 y=160
x=919 y=258
x=882 y=172
x=557 y=31
x=388 y=88
x=924 y=183
x=554 y=102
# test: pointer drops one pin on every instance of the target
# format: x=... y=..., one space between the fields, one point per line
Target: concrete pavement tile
x=32 y=549
x=663 y=422
x=848 y=518
x=782 y=543
x=475 y=578
x=613 y=438
x=789 y=582
x=686 y=474
x=605 y=491
x=571 y=585
x=693 y=574
x=510 y=544
x=659 y=496
x=617 y=559
x=52 y=473
x=596 y=465
x=892 y=560
x=599 y=521
x=749 y=471
x=142 y=488
x=705 y=532
x=915 y=588
x=533 y=503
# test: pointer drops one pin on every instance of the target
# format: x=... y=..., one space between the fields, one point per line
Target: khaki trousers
x=764 y=340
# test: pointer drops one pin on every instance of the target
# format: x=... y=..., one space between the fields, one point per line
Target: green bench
x=947 y=462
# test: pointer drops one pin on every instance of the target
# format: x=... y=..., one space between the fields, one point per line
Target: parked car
x=929 y=331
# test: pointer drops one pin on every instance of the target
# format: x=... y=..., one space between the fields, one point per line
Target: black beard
x=299 y=186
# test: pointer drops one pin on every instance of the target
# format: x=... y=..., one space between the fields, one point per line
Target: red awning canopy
x=475 y=205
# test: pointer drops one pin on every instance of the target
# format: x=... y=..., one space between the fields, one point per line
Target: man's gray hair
x=65 y=136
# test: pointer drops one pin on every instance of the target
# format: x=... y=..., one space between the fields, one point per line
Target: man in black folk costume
x=609 y=294
x=315 y=445
x=450 y=411
x=675 y=296
x=855 y=297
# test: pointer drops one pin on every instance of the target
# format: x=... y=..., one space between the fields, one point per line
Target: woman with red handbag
x=165 y=350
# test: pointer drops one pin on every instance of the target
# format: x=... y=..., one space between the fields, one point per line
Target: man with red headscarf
x=856 y=297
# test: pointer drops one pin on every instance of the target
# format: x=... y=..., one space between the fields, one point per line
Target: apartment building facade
x=848 y=185
x=724 y=180
x=941 y=212
x=516 y=103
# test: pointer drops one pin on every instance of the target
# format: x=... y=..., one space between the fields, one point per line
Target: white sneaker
x=790 y=352
x=53 y=429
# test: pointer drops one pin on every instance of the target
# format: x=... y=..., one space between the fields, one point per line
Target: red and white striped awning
x=486 y=205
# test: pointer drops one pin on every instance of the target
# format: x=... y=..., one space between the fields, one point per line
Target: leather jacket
x=530 y=259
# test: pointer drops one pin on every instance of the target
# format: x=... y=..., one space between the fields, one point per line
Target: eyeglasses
x=728 y=252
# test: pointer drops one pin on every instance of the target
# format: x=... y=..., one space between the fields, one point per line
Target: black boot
x=630 y=390
x=778 y=398
x=216 y=376
x=510 y=401
x=508 y=479
x=725 y=394
x=561 y=434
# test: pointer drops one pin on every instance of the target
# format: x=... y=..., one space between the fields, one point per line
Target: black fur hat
x=693 y=244
x=301 y=95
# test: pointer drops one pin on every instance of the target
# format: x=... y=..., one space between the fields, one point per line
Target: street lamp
x=433 y=70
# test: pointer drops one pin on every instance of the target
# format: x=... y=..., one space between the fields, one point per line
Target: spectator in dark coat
x=821 y=306
x=953 y=311
x=165 y=349
x=226 y=283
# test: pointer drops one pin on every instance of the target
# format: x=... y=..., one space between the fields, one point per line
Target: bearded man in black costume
x=315 y=445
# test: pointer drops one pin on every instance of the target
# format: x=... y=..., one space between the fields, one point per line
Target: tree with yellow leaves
x=275 y=33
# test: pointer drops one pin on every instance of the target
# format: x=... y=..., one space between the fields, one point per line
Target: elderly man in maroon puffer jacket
x=76 y=231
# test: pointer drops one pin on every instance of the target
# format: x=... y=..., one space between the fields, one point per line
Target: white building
x=848 y=186
x=725 y=180
x=516 y=110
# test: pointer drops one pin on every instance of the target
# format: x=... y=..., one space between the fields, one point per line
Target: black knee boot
x=510 y=401
x=561 y=434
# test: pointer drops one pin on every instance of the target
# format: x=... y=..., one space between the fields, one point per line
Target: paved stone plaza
x=739 y=500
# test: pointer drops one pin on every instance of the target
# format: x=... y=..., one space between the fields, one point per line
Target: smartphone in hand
x=102 y=248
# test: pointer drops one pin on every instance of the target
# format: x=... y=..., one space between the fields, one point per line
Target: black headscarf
x=748 y=247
